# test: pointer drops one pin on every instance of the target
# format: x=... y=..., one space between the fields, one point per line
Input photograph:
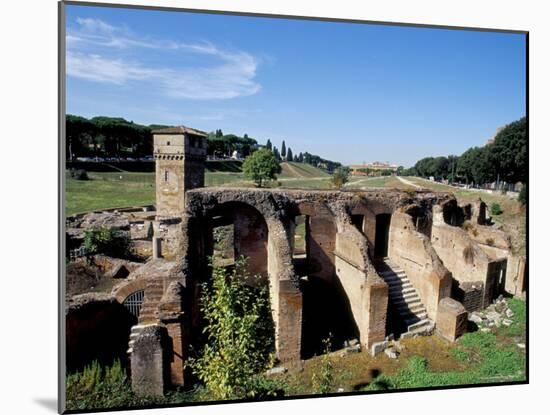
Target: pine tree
x=277 y=154
x=301 y=157
x=283 y=149
x=289 y=155
x=268 y=145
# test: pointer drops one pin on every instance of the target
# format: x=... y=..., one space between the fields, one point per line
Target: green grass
x=117 y=189
x=300 y=170
x=490 y=357
x=359 y=182
x=105 y=191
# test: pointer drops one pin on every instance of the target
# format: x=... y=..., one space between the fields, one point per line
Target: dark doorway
x=382 y=235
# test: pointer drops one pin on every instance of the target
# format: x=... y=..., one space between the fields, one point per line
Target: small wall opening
x=300 y=244
x=421 y=219
x=223 y=238
x=133 y=304
x=382 y=234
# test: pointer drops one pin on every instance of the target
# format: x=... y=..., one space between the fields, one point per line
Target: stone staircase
x=148 y=312
x=405 y=300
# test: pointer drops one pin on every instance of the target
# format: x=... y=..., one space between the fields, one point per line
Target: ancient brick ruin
x=371 y=263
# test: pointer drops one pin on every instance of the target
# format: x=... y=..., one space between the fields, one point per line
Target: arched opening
x=133 y=304
x=237 y=229
x=225 y=233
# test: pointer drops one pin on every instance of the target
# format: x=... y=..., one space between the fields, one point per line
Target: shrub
x=239 y=332
x=79 y=174
x=108 y=241
x=496 y=209
x=340 y=177
x=490 y=241
x=99 y=387
x=522 y=197
x=322 y=381
x=261 y=166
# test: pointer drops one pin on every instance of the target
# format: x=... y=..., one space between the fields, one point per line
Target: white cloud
x=90 y=56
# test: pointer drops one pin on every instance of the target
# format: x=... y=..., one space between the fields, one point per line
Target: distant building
x=372 y=169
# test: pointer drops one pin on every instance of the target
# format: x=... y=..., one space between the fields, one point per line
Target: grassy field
x=112 y=189
x=477 y=357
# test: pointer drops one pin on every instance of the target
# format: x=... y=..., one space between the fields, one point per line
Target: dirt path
x=408 y=183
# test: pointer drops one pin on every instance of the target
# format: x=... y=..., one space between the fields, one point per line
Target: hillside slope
x=300 y=171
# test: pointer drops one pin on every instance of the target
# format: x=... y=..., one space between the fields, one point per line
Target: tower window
x=165 y=175
x=168 y=143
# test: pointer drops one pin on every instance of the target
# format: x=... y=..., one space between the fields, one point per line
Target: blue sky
x=347 y=92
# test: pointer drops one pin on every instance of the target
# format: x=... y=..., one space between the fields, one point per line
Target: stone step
x=415 y=318
x=401 y=291
x=419 y=324
x=415 y=308
x=392 y=276
x=401 y=284
x=406 y=301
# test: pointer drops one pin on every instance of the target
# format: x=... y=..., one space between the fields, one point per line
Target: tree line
x=502 y=159
x=286 y=154
x=116 y=137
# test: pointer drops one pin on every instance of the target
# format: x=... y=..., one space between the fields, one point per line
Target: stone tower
x=180 y=154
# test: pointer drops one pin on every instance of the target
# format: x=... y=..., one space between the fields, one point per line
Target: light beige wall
x=412 y=251
x=367 y=293
x=286 y=297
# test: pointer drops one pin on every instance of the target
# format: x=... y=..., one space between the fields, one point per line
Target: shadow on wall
x=97 y=330
x=326 y=313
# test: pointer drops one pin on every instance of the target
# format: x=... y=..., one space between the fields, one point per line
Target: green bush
x=97 y=387
x=79 y=174
x=108 y=241
x=261 y=166
x=322 y=381
x=496 y=209
x=240 y=336
x=340 y=177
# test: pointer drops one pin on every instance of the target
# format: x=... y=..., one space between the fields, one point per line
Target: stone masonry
x=352 y=240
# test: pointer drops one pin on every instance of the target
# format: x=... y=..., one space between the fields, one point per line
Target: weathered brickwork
x=351 y=239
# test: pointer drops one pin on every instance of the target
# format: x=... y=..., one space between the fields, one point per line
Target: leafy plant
x=340 y=177
x=98 y=387
x=261 y=166
x=496 y=209
x=108 y=241
x=322 y=381
x=79 y=174
x=239 y=333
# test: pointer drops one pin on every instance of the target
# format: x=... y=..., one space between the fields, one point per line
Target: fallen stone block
x=279 y=370
x=379 y=347
x=391 y=353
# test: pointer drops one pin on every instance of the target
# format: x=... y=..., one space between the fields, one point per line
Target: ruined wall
x=286 y=297
x=250 y=239
x=412 y=251
x=366 y=291
x=460 y=254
